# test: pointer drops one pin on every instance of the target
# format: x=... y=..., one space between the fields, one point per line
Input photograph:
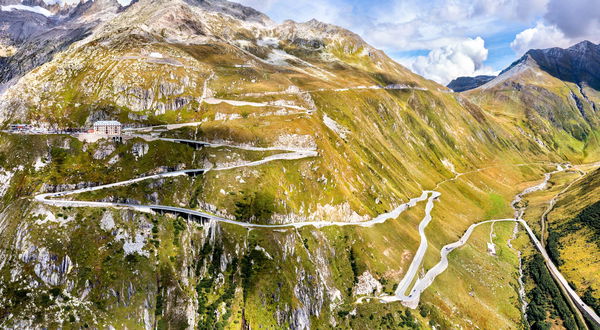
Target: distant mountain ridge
x=462 y=84
x=579 y=64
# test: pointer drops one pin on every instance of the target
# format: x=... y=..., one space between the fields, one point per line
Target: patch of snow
x=114 y=160
x=449 y=166
x=33 y=9
x=243 y=43
x=491 y=248
x=243 y=66
x=278 y=57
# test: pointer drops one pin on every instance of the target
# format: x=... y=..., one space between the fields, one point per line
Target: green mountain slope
x=561 y=115
x=382 y=135
x=573 y=236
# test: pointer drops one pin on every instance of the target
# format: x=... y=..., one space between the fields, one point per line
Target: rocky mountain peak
x=231 y=9
x=234 y=9
x=578 y=64
x=584 y=46
x=89 y=11
x=314 y=32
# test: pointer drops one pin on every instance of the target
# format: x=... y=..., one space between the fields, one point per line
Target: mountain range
x=281 y=175
x=577 y=64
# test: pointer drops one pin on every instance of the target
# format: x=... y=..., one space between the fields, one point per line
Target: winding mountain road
x=420 y=284
x=412 y=300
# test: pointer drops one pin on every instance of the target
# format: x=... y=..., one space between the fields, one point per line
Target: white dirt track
x=420 y=284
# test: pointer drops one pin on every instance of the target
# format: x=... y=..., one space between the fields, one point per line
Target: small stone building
x=107 y=127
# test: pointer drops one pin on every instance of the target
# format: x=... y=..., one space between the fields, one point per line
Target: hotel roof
x=107 y=122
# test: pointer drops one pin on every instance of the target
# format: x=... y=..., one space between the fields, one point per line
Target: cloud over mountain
x=540 y=36
x=564 y=23
x=575 y=18
x=464 y=58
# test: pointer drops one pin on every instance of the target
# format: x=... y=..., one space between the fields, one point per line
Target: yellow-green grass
x=579 y=254
x=481 y=289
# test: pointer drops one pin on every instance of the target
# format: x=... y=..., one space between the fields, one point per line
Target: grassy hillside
x=553 y=112
x=573 y=236
x=382 y=135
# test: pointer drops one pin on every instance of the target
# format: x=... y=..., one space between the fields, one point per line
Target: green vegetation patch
x=497 y=206
x=255 y=206
x=546 y=299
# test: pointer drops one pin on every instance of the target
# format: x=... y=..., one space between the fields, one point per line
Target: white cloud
x=405 y=25
x=541 y=36
x=519 y=10
x=576 y=18
x=415 y=24
x=446 y=28
x=463 y=58
x=565 y=23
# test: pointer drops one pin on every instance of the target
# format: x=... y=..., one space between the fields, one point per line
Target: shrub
x=255 y=206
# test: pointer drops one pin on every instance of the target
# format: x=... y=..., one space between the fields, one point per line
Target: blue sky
x=443 y=39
